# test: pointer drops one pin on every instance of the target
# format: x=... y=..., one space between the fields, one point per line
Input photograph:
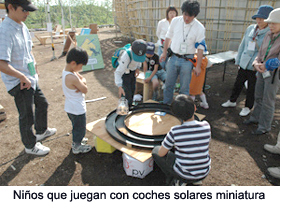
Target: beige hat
x=274 y=16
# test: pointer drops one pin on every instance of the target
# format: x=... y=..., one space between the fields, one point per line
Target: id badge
x=31 y=68
x=266 y=74
x=251 y=46
x=183 y=48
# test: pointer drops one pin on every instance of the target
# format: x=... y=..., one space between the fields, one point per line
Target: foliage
x=83 y=13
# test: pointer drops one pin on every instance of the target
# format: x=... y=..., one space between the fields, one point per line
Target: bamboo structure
x=225 y=20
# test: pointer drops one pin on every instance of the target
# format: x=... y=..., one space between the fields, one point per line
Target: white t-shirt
x=125 y=66
x=162 y=29
x=74 y=101
x=180 y=32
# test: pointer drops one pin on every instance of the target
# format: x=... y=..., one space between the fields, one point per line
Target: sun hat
x=150 y=48
x=139 y=48
x=274 y=16
x=263 y=12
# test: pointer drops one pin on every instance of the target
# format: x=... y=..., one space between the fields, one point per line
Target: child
x=74 y=88
x=128 y=70
x=196 y=83
x=152 y=69
x=190 y=162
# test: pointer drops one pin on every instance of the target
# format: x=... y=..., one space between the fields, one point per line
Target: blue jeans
x=79 y=127
x=177 y=66
x=24 y=101
x=160 y=74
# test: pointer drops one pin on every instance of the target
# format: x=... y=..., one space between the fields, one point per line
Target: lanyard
x=187 y=33
x=271 y=42
x=256 y=33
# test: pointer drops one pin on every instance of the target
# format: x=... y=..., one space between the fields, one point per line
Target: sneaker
x=177 y=182
x=229 y=104
x=272 y=148
x=47 y=133
x=38 y=149
x=83 y=148
x=204 y=105
x=274 y=172
x=245 y=111
x=259 y=132
x=197 y=183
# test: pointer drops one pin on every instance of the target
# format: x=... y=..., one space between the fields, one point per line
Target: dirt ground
x=238 y=157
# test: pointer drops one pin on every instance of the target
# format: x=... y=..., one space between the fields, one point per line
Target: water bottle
x=122 y=108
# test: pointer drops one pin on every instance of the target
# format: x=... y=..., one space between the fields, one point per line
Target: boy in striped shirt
x=190 y=161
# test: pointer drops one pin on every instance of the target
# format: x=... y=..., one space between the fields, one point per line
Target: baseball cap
x=25 y=4
x=150 y=48
x=138 y=50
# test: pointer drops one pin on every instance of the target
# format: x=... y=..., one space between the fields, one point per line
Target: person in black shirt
x=152 y=69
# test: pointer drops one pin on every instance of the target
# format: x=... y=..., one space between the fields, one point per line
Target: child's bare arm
x=82 y=78
x=74 y=82
x=162 y=151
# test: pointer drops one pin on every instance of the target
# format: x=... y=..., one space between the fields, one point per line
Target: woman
x=247 y=52
x=267 y=65
x=162 y=28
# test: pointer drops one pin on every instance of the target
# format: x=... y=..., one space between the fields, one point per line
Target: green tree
x=83 y=13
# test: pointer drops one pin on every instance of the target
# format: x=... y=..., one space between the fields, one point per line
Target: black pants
x=25 y=101
x=244 y=75
x=129 y=83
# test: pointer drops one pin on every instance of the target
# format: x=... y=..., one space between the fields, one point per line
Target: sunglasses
x=24 y=10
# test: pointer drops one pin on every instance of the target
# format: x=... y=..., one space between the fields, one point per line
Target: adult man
x=185 y=34
x=19 y=74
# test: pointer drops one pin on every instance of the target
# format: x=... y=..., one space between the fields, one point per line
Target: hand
x=260 y=67
x=84 y=81
x=197 y=71
x=162 y=57
x=147 y=80
x=25 y=83
x=121 y=92
x=137 y=72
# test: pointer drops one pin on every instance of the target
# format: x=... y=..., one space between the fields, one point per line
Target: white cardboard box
x=136 y=168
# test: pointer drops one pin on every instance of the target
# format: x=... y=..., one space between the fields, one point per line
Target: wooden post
x=94 y=28
x=70 y=37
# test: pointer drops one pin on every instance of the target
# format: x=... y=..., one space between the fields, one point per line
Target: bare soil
x=238 y=157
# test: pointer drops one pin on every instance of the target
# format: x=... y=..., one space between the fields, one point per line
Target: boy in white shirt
x=74 y=88
x=128 y=69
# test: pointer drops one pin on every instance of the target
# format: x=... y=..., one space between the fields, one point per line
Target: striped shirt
x=191 y=142
x=16 y=47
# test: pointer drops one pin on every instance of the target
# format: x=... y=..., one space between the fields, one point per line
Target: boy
x=128 y=70
x=20 y=76
x=74 y=88
x=190 y=162
x=152 y=69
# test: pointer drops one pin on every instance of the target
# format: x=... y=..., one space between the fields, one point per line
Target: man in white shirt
x=184 y=36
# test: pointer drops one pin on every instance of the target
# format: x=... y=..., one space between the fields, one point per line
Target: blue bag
x=119 y=52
